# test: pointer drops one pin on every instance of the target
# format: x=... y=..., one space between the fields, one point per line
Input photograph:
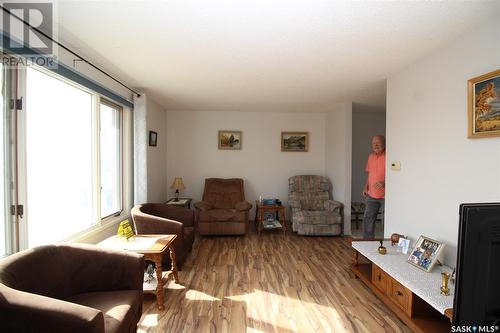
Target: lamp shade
x=177 y=184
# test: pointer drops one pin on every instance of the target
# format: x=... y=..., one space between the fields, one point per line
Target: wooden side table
x=182 y=202
x=261 y=210
x=153 y=247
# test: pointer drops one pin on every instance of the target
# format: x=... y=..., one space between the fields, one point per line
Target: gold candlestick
x=444 y=286
x=381 y=248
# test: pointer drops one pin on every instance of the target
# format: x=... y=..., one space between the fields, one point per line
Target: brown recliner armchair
x=158 y=218
x=223 y=210
x=71 y=288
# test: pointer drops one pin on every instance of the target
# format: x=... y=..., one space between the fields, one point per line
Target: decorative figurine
x=452 y=277
x=444 y=287
x=150 y=271
x=395 y=238
x=125 y=230
x=381 y=248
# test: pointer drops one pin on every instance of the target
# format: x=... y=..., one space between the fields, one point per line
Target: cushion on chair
x=121 y=309
x=243 y=205
x=319 y=229
x=308 y=183
x=223 y=193
x=316 y=217
x=222 y=215
x=311 y=200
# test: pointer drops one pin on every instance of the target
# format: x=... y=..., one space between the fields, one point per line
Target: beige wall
x=157 y=156
x=427 y=133
x=193 y=153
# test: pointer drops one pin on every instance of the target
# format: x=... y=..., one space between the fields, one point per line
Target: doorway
x=367 y=121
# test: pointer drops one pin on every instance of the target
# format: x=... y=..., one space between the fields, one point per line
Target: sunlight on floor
x=150 y=320
x=289 y=313
x=196 y=295
x=172 y=285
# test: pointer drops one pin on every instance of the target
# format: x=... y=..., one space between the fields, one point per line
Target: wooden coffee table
x=153 y=247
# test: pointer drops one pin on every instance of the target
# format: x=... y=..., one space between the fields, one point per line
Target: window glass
x=110 y=160
x=59 y=159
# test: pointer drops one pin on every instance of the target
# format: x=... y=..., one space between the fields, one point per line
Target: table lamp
x=177 y=185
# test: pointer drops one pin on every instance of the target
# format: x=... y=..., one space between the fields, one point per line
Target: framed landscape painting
x=230 y=140
x=294 y=141
x=484 y=105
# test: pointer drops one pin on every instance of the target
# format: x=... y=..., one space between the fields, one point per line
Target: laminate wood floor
x=269 y=283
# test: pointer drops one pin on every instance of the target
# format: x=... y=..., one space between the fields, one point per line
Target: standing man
x=374 y=190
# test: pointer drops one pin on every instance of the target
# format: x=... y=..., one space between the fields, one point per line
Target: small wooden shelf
x=261 y=209
x=152 y=285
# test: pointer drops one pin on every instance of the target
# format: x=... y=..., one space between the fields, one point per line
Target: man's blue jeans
x=371 y=210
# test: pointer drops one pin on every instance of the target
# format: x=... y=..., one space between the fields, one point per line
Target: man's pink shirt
x=376 y=173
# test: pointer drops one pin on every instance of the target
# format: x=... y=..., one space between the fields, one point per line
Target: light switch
x=396 y=165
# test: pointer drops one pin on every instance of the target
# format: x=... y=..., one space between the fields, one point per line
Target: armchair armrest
x=25 y=312
x=242 y=206
x=203 y=205
x=333 y=205
x=151 y=224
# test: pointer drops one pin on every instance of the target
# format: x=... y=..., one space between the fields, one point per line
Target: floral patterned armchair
x=313 y=210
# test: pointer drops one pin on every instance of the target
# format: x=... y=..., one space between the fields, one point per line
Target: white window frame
x=99 y=225
x=120 y=152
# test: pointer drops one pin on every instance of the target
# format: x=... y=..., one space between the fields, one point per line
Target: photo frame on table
x=295 y=141
x=153 y=138
x=425 y=253
x=484 y=105
x=404 y=244
x=230 y=140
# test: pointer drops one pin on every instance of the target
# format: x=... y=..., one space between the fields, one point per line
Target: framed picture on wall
x=153 y=138
x=230 y=140
x=425 y=253
x=484 y=105
x=295 y=141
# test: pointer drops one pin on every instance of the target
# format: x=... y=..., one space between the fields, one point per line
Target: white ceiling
x=263 y=55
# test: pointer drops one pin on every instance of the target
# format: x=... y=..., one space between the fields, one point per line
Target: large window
x=73 y=159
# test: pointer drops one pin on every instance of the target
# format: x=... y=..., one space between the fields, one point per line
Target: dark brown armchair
x=223 y=210
x=71 y=288
x=158 y=218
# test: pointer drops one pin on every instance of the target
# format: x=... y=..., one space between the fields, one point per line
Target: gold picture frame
x=295 y=141
x=230 y=140
x=484 y=105
x=425 y=253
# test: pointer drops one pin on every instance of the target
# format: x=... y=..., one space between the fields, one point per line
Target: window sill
x=98 y=233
